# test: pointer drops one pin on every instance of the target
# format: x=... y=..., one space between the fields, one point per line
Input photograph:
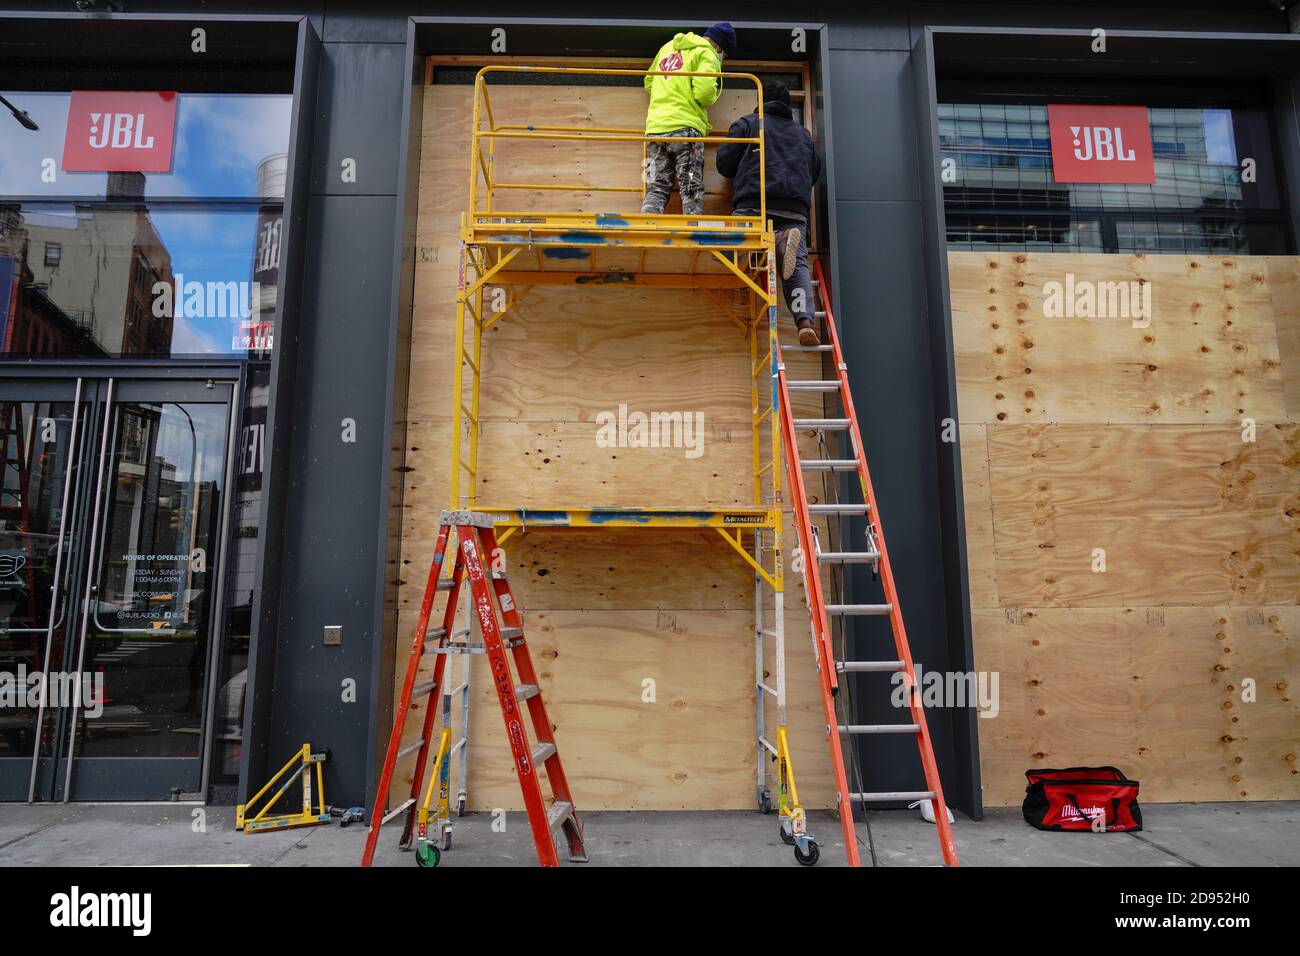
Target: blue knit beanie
x=724 y=35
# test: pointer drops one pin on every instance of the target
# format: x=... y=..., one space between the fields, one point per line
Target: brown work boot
x=807 y=332
x=787 y=251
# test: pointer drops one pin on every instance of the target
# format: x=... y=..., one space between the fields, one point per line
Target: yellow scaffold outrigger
x=305 y=760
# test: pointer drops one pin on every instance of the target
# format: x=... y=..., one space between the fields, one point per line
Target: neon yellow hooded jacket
x=681 y=101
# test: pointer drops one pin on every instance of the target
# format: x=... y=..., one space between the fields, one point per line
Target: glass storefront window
x=167 y=249
x=106 y=281
x=220 y=138
x=1005 y=196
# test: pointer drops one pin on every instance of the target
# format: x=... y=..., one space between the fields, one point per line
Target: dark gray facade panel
x=261 y=680
x=1204 y=17
x=333 y=498
x=355 y=121
x=951 y=500
x=377 y=21
x=871 y=26
x=875 y=143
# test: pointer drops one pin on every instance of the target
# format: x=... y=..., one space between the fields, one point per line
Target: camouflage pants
x=681 y=161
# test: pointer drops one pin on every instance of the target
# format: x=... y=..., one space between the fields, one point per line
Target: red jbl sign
x=110 y=131
x=1101 y=144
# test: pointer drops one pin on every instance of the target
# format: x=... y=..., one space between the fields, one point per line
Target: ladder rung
x=410 y=748
x=815 y=386
x=397 y=810
x=861 y=610
x=543 y=751
x=829 y=464
x=879 y=728
x=422 y=690
x=433 y=633
x=560 y=811
x=525 y=691
x=510 y=633
x=819 y=314
x=455 y=649
x=767 y=690
x=829 y=424
x=807 y=348
x=846 y=667
x=884 y=795
x=838 y=509
x=444 y=584
x=848 y=557
x=498 y=575
x=767 y=632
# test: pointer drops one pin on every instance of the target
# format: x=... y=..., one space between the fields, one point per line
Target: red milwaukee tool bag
x=1082 y=798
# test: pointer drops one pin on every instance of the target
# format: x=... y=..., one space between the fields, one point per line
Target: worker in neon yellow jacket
x=679 y=107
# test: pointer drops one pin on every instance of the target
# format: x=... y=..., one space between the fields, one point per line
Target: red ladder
x=502 y=628
x=829 y=668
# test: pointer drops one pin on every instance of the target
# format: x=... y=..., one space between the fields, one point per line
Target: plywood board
x=1184 y=514
x=976 y=482
x=1284 y=289
x=1171 y=451
x=652 y=710
x=1157 y=692
x=1209 y=353
x=604 y=611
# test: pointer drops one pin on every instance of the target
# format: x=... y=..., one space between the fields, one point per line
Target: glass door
x=131 y=631
x=43 y=436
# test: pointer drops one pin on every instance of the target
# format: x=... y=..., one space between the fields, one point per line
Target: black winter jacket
x=792 y=163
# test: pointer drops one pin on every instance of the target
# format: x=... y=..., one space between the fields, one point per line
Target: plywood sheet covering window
x=604 y=612
x=1164 y=441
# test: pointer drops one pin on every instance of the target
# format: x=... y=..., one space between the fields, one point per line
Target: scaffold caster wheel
x=446 y=839
x=765 y=803
x=460 y=807
x=813 y=855
x=427 y=855
x=786 y=838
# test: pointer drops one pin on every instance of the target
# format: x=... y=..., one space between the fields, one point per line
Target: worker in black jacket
x=792 y=168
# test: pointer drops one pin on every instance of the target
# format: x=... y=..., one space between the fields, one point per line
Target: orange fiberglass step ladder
x=497 y=615
x=829 y=667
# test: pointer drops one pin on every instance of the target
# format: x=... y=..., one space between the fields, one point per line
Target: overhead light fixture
x=20 y=115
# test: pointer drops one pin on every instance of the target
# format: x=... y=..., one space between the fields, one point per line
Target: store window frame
x=1011 y=89
x=59 y=51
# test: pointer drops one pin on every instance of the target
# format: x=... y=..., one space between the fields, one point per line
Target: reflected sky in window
x=220 y=140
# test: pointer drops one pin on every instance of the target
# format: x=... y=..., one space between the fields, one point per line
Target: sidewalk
x=1207 y=834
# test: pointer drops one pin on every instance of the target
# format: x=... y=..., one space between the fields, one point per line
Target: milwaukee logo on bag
x=1082 y=799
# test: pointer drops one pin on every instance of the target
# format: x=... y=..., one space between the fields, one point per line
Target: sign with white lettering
x=111 y=131
x=1101 y=144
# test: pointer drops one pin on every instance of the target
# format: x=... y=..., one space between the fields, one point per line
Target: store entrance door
x=111 y=513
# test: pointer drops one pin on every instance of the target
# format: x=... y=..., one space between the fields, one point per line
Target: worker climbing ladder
x=471 y=541
x=831 y=668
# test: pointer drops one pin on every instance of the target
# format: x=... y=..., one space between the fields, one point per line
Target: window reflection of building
x=108 y=264
x=1005 y=197
x=31 y=323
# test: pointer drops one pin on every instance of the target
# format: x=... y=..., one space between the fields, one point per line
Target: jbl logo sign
x=113 y=131
x=119 y=131
x=1101 y=144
